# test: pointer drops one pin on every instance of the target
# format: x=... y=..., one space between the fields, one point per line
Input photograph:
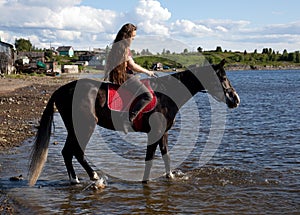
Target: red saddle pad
x=122 y=100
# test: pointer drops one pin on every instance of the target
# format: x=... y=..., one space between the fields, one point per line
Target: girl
x=119 y=67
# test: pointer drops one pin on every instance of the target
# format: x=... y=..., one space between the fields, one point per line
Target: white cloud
x=226 y=23
x=53 y=4
x=68 y=35
x=152 y=17
x=63 y=22
x=152 y=10
x=221 y=28
x=290 y=28
x=69 y=23
x=4 y=36
x=188 y=28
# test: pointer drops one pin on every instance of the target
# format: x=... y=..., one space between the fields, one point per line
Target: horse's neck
x=190 y=81
x=180 y=86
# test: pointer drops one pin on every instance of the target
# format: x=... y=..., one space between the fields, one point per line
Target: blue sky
x=162 y=24
x=257 y=11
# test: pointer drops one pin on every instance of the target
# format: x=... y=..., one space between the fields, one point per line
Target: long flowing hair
x=115 y=70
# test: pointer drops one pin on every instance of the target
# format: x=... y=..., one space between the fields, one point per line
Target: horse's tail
x=39 y=151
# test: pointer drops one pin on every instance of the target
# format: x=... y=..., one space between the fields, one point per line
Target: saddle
x=122 y=100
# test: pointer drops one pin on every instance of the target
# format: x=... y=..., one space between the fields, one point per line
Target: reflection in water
x=255 y=169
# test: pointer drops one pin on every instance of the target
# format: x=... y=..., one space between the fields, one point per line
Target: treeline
x=285 y=56
x=267 y=57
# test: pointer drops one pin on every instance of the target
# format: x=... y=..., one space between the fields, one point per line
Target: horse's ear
x=222 y=63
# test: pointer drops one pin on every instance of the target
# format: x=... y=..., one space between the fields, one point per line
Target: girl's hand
x=151 y=73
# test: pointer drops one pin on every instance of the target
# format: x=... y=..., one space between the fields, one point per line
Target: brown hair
x=117 y=59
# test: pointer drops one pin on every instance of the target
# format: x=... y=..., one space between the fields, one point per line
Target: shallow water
x=255 y=169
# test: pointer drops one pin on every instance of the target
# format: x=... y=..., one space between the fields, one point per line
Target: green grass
x=212 y=57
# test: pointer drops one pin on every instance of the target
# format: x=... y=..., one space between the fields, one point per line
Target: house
x=6 y=58
x=96 y=60
x=32 y=56
x=70 y=69
x=65 y=51
x=93 y=59
x=157 y=66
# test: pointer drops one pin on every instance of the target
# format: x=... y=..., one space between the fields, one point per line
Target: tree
x=291 y=57
x=284 y=55
x=146 y=52
x=133 y=52
x=297 y=57
x=265 y=51
x=270 y=51
x=218 y=49
x=49 y=54
x=200 y=49
x=23 y=45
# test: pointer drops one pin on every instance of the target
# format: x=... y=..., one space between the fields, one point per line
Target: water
x=255 y=169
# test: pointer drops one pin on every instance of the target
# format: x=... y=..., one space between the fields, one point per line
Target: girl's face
x=132 y=36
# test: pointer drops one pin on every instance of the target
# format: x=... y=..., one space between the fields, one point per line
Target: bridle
x=231 y=97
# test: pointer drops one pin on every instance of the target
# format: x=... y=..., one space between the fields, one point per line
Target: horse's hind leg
x=73 y=148
x=80 y=121
x=79 y=155
x=86 y=123
x=68 y=153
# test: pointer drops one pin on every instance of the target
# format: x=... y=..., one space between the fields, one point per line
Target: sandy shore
x=22 y=101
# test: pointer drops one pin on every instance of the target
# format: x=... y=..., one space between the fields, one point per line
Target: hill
x=268 y=59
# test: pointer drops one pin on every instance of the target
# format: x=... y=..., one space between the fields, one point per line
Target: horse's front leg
x=163 y=145
x=151 y=148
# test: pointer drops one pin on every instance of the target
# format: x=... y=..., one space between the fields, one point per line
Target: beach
x=22 y=101
x=253 y=170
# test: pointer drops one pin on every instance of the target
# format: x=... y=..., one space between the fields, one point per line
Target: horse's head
x=232 y=99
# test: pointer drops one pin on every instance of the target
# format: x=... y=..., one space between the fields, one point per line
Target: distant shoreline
x=258 y=68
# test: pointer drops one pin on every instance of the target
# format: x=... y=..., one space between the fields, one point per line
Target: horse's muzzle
x=232 y=99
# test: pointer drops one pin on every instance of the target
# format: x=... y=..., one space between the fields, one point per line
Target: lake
x=255 y=169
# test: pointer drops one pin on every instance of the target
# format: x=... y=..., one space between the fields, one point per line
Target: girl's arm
x=137 y=68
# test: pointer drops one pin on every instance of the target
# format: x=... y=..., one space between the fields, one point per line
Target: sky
x=162 y=24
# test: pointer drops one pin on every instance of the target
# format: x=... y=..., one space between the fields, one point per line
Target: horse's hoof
x=94 y=177
x=16 y=178
x=169 y=175
x=99 y=184
x=145 y=181
x=74 y=181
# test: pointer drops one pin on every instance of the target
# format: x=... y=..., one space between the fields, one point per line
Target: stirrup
x=127 y=126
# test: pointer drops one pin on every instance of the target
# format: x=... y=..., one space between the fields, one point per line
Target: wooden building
x=6 y=58
x=65 y=51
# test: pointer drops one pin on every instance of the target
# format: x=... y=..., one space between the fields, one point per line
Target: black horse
x=83 y=104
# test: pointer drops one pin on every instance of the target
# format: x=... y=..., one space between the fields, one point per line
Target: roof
x=6 y=44
x=63 y=48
